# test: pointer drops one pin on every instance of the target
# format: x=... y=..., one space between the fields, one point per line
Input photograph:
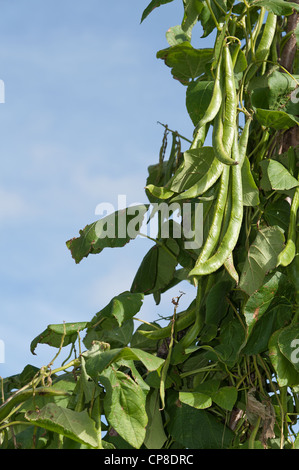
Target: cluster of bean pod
x=230 y=152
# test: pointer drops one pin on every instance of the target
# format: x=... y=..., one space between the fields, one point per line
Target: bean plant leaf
x=196 y=429
x=231 y=339
x=114 y=230
x=192 y=8
x=262 y=257
x=274 y=92
x=120 y=309
x=278 y=213
x=176 y=35
x=266 y=310
x=288 y=342
x=226 y=397
x=198 y=97
x=109 y=332
x=278 y=7
x=124 y=406
x=197 y=400
x=186 y=62
x=153 y=4
x=216 y=303
x=276 y=176
x=97 y=363
x=157 y=268
x=278 y=120
x=77 y=426
x=286 y=373
x=155 y=434
x=54 y=334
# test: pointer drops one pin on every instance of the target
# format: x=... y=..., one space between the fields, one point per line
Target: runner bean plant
x=223 y=373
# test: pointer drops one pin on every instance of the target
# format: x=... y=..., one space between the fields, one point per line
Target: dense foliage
x=224 y=373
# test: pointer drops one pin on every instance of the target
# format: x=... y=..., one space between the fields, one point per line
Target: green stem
x=213 y=15
x=253 y=433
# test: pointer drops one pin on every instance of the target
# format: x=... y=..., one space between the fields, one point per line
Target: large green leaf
x=288 y=342
x=273 y=92
x=114 y=230
x=225 y=397
x=231 y=339
x=120 y=309
x=192 y=8
x=72 y=424
x=195 y=399
x=286 y=373
x=155 y=433
x=157 y=268
x=198 y=97
x=54 y=334
x=278 y=7
x=278 y=120
x=266 y=310
x=186 y=62
x=99 y=361
x=124 y=406
x=216 y=302
x=113 y=324
x=278 y=213
x=176 y=35
x=196 y=429
x=262 y=257
x=276 y=176
x=116 y=336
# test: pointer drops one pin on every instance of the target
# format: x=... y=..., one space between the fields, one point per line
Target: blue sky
x=83 y=94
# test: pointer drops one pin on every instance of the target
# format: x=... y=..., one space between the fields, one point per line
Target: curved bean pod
x=230 y=109
x=218 y=138
x=264 y=46
x=231 y=236
x=216 y=99
x=215 y=228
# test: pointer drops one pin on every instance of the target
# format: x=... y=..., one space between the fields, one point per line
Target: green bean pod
x=265 y=43
x=218 y=138
x=231 y=101
x=215 y=228
x=199 y=136
x=231 y=235
x=267 y=37
x=288 y=253
x=216 y=99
